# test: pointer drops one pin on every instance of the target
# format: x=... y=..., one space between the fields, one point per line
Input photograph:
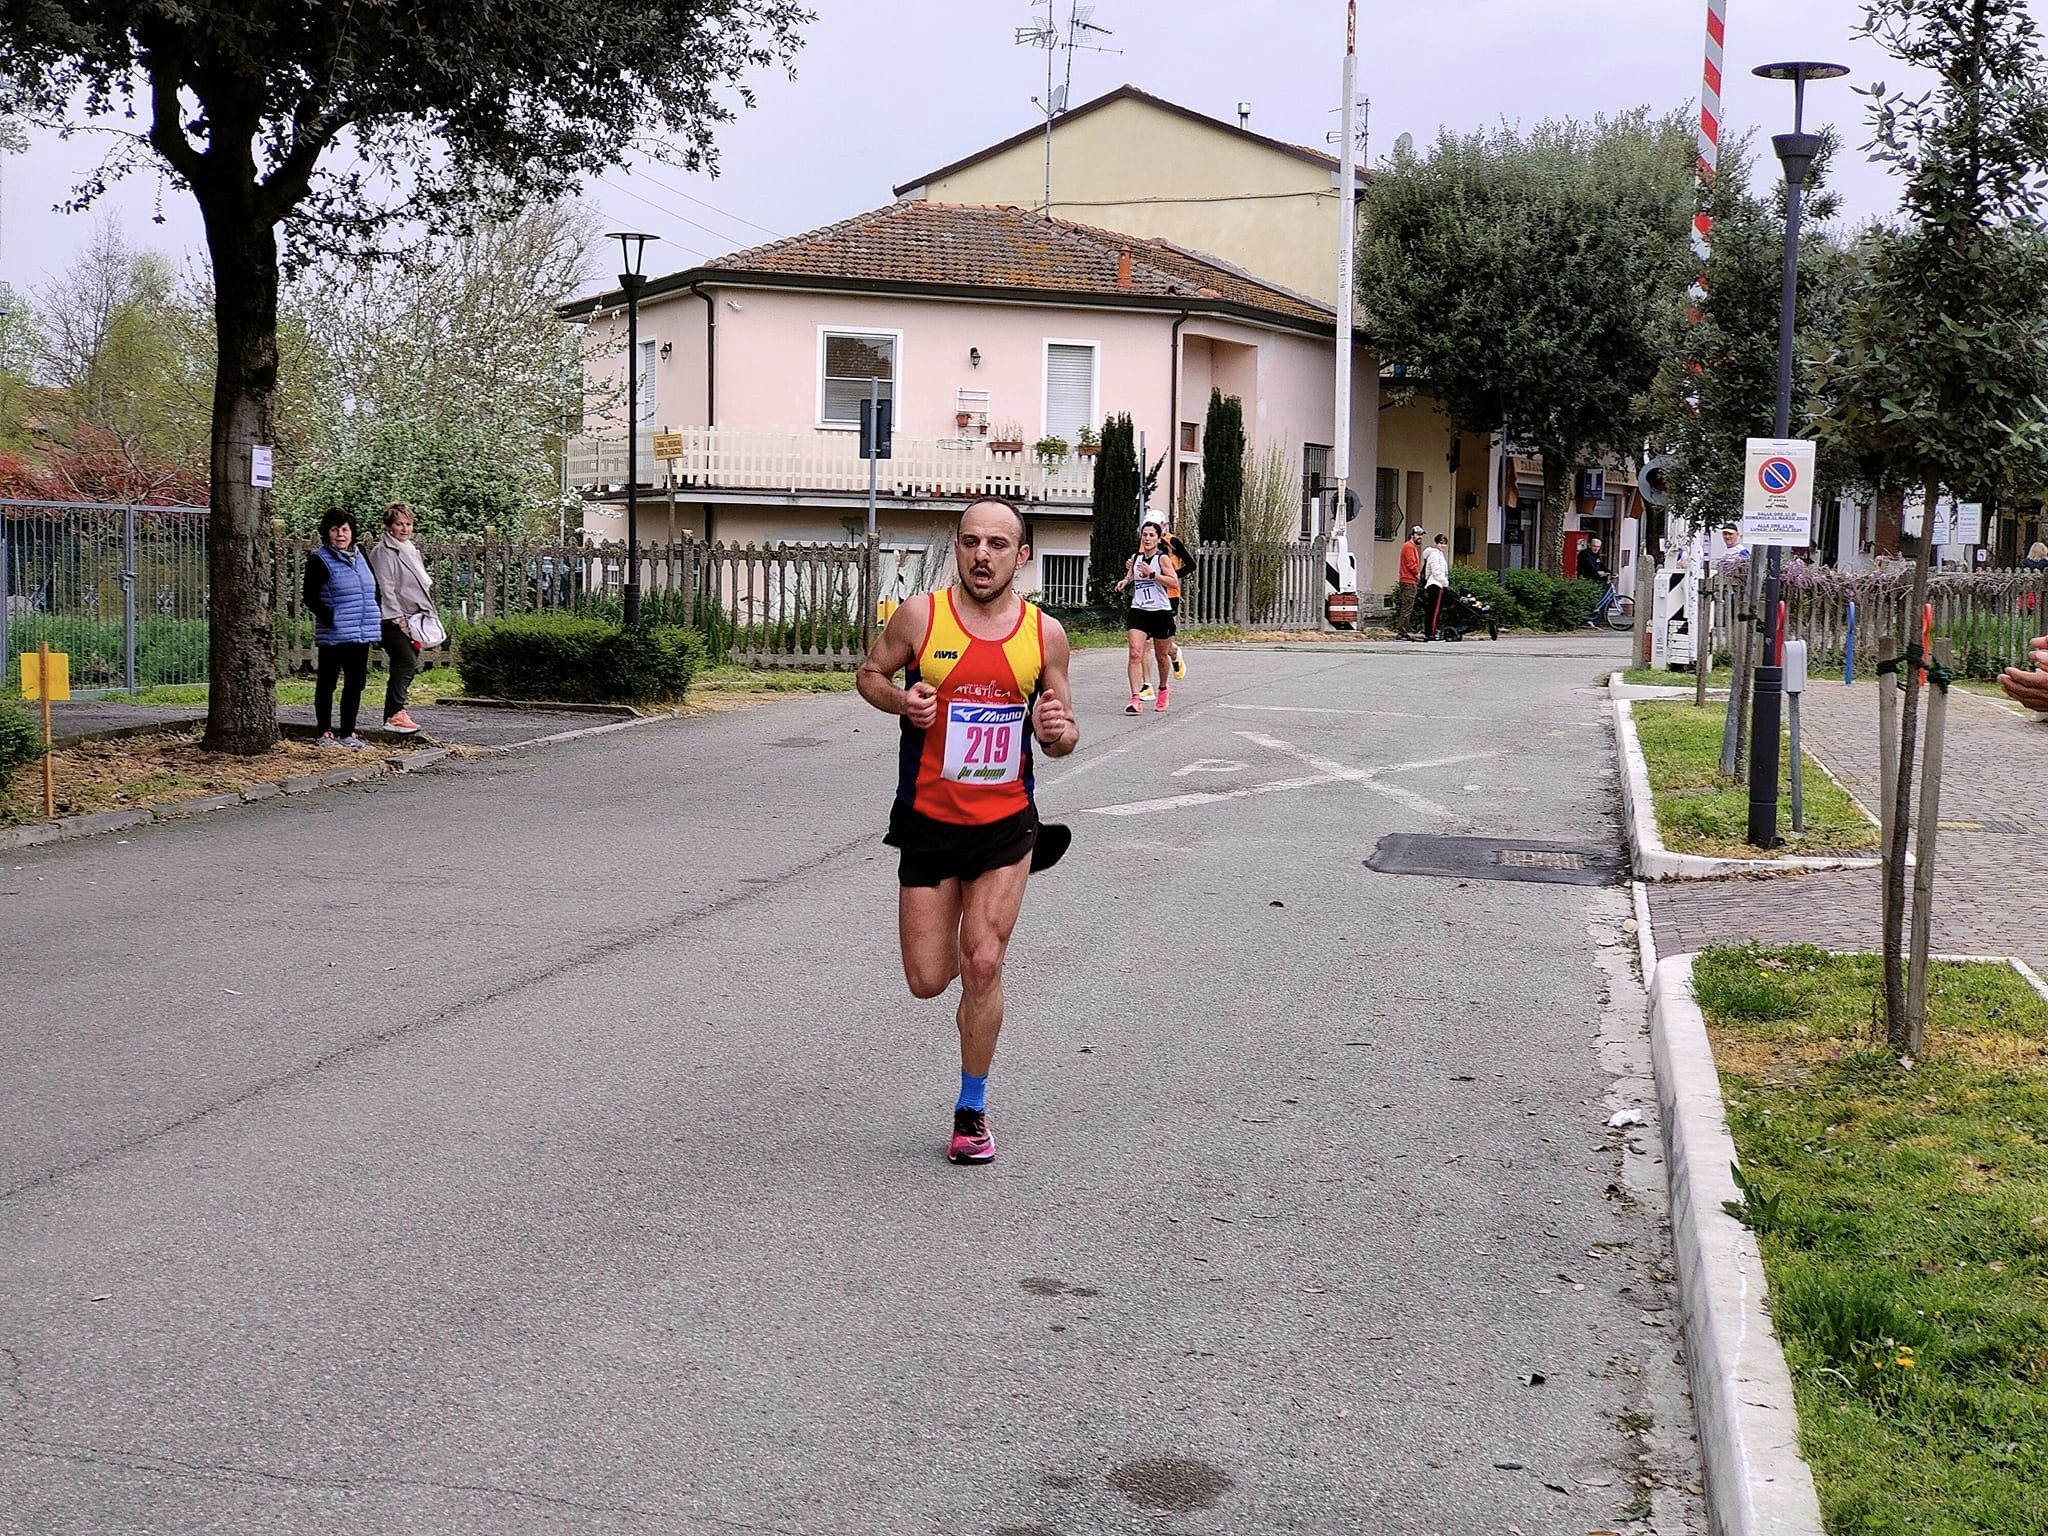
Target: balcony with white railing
x=793 y=462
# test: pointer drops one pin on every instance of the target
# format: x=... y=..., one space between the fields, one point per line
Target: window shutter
x=1069 y=389
x=645 y=383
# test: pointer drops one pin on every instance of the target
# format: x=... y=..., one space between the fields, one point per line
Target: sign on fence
x=1777 y=492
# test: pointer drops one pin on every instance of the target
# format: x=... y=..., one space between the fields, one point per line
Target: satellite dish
x=1404 y=146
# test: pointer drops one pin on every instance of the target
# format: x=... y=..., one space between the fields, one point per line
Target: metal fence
x=123 y=590
x=119 y=588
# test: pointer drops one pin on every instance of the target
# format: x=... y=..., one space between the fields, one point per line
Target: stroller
x=1463 y=613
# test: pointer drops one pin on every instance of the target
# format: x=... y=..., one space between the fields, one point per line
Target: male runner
x=987 y=672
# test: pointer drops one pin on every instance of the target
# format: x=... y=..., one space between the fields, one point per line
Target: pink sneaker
x=971 y=1140
x=1160 y=707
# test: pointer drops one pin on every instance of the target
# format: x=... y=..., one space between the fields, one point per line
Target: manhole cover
x=1495 y=858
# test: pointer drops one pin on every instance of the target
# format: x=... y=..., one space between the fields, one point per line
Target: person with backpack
x=340 y=591
x=1183 y=559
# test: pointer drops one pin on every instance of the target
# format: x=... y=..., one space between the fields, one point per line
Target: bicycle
x=1618 y=611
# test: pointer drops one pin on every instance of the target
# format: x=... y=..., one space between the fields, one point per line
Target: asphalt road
x=550 y=1144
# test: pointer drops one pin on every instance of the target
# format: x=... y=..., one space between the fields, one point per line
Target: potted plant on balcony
x=1089 y=443
x=1009 y=438
x=1050 y=449
x=963 y=419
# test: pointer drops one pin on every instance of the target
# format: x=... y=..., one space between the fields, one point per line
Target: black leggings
x=403 y=661
x=351 y=663
x=1433 y=609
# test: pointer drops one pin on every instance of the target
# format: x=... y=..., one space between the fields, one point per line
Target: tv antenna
x=1362 y=132
x=1057 y=37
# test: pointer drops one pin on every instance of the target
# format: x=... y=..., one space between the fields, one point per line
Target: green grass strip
x=1700 y=812
x=1902 y=1215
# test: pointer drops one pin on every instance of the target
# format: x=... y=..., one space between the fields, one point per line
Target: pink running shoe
x=971 y=1140
x=1160 y=707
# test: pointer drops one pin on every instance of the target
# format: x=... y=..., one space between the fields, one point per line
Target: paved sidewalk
x=1991 y=890
x=445 y=725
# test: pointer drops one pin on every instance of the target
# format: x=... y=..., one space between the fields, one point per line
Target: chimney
x=1244 y=114
x=1123 y=269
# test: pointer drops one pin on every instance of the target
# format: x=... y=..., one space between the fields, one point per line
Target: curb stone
x=103 y=821
x=66 y=828
x=1757 y=1482
x=198 y=807
x=1654 y=861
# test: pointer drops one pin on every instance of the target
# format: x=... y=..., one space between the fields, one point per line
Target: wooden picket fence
x=1988 y=616
x=1279 y=586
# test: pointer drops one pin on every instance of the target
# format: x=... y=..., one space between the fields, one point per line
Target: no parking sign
x=1777 y=492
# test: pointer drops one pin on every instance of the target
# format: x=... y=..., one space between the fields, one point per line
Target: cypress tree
x=1114 y=538
x=1222 y=469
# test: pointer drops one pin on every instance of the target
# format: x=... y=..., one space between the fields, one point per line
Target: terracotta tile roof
x=1011 y=248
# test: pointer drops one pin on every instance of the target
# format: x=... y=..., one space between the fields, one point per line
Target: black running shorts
x=1156 y=622
x=932 y=852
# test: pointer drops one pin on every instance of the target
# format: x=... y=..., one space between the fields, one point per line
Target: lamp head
x=632 y=249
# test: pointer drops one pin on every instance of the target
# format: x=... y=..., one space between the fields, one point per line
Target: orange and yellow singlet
x=973 y=766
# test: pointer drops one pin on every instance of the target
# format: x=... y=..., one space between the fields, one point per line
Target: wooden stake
x=49 y=763
x=1887 y=752
x=1923 y=874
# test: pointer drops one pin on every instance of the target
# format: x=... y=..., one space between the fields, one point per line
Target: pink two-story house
x=989 y=329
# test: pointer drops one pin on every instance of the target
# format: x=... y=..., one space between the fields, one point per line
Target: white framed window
x=850 y=361
x=1070 y=380
x=1063 y=580
x=645 y=383
x=1315 y=474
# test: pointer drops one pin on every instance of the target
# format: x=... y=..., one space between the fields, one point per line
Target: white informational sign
x=1777 y=492
x=259 y=467
x=1965 y=522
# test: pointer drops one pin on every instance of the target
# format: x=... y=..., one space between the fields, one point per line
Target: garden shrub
x=571 y=660
x=21 y=740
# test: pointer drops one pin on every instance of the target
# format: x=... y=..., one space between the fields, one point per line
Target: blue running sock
x=973 y=1091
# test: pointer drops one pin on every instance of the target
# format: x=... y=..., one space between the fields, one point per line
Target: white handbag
x=427 y=629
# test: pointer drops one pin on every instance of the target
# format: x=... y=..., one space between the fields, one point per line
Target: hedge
x=1524 y=599
x=583 y=661
x=21 y=740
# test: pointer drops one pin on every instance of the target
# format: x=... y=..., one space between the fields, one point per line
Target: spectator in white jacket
x=1436 y=586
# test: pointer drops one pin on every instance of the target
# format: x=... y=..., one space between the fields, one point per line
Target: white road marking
x=1327 y=771
x=1211 y=765
x=1176 y=802
x=1310 y=709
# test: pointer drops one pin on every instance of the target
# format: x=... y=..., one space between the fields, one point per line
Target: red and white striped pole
x=1710 y=143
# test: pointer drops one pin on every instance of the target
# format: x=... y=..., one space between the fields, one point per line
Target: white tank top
x=1148 y=592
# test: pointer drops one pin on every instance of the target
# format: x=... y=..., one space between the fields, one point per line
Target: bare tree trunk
x=1897 y=1028
x=241 y=707
x=1550 y=516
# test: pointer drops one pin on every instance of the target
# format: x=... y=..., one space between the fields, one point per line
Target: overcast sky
x=889 y=89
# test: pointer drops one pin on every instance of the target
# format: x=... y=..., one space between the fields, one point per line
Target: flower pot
x=964 y=419
x=1088 y=450
x=1007 y=445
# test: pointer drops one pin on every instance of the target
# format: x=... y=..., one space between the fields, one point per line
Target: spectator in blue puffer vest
x=340 y=592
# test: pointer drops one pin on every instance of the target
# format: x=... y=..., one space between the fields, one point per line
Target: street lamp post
x=1796 y=152
x=631 y=281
